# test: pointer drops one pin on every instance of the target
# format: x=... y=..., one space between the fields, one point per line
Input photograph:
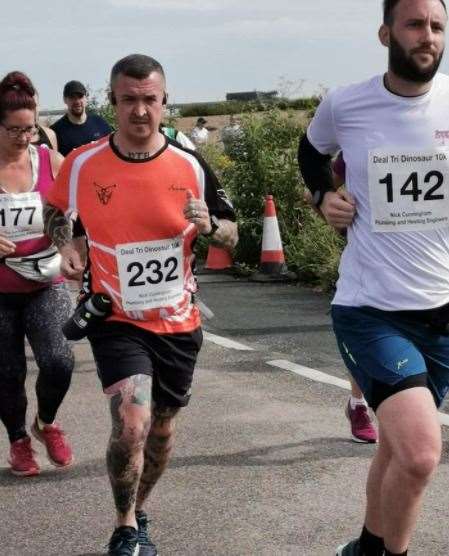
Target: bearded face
x=418 y=65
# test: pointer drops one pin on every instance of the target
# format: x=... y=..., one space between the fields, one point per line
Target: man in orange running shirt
x=142 y=200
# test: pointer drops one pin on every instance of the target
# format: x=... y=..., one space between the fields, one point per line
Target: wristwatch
x=214 y=222
x=318 y=196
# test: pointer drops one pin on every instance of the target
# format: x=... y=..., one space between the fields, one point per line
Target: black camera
x=87 y=315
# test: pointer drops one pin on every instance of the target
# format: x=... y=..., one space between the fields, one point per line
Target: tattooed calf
x=158 y=448
x=130 y=412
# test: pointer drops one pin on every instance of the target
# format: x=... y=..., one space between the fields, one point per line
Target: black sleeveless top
x=43 y=138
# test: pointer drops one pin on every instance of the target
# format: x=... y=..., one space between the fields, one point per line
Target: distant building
x=247 y=96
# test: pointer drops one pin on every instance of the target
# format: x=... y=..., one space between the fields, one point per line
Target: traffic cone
x=218 y=258
x=272 y=261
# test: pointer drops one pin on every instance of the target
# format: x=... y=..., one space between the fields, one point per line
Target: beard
x=404 y=66
x=77 y=111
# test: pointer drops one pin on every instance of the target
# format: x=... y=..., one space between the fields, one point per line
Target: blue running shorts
x=387 y=352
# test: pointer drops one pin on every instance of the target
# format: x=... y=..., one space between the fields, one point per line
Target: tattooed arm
x=226 y=234
x=59 y=229
x=196 y=211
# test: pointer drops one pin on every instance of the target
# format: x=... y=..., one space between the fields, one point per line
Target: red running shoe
x=362 y=428
x=21 y=458
x=53 y=437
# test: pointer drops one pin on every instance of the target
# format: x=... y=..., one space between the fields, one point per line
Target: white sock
x=357 y=401
x=41 y=424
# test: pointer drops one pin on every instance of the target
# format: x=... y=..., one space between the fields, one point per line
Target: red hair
x=16 y=93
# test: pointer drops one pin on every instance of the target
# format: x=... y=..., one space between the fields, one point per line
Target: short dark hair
x=138 y=66
x=389 y=6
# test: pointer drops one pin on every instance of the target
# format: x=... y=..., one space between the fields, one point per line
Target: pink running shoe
x=362 y=428
x=21 y=458
x=53 y=437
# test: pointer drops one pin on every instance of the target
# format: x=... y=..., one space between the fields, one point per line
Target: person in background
x=44 y=135
x=231 y=136
x=362 y=427
x=178 y=136
x=200 y=134
x=77 y=127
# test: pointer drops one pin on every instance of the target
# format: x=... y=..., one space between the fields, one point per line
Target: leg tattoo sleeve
x=158 y=448
x=131 y=418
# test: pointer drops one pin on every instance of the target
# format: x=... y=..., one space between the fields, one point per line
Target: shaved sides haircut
x=389 y=6
x=138 y=66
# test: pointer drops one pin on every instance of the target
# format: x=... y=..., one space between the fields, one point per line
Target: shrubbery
x=264 y=162
x=240 y=107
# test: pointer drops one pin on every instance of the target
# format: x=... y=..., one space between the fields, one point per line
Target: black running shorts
x=122 y=350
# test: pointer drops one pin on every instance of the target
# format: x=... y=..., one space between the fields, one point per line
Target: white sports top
x=396 y=151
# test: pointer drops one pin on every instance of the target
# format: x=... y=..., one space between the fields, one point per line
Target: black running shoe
x=350 y=549
x=124 y=542
x=147 y=547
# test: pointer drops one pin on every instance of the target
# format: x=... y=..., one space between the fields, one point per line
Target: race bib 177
x=21 y=216
x=151 y=273
x=409 y=190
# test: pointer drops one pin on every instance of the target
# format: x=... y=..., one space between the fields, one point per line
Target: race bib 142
x=409 y=190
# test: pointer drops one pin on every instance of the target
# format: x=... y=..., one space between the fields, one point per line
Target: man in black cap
x=77 y=127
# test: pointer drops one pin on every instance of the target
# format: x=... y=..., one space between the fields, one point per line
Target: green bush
x=239 y=107
x=265 y=162
x=101 y=107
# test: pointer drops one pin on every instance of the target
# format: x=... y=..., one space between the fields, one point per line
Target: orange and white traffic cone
x=272 y=261
x=218 y=258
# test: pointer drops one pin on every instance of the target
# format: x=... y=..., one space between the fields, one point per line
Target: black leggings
x=38 y=316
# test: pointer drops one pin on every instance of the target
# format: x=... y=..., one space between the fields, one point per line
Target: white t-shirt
x=396 y=151
x=199 y=135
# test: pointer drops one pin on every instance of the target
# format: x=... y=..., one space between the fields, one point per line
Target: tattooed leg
x=130 y=405
x=157 y=452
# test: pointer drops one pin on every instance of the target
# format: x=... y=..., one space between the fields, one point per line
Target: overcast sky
x=207 y=47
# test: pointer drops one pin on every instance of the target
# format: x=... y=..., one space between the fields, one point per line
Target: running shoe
x=362 y=427
x=21 y=458
x=53 y=437
x=350 y=549
x=147 y=547
x=124 y=542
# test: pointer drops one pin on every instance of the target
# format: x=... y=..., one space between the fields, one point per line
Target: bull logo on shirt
x=104 y=192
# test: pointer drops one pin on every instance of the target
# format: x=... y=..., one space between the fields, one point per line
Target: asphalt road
x=263 y=462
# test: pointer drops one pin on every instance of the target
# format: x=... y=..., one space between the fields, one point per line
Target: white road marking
x=313 y=374
x=225 y=342
x=307 y=372
x=319 y=376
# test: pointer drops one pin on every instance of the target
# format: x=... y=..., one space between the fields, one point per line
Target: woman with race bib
x=33 y=300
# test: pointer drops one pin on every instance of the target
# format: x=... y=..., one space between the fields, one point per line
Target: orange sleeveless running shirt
x=140 y=244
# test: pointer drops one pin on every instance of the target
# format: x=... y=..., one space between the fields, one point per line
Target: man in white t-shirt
x=200 y=134
x=391 y=308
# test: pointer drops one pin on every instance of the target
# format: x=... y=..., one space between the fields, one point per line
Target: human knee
x=135 y=428
x=58 y=365
x=420 y=462
x=163 y=421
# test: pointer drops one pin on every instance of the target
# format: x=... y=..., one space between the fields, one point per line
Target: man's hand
x=338 y=208
x=73 y=262
x=196 y=212
x=6 y=247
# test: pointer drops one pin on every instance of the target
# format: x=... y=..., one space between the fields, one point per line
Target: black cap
x=74 y=88
x=201 y=120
